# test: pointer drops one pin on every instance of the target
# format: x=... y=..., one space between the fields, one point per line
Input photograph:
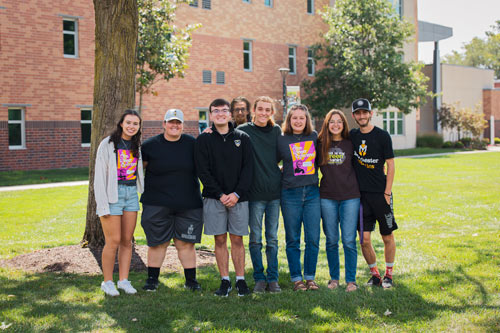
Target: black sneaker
x=242 y=288
x=387 y=282
x=151 y=284
x=374 y=281
x=224 y=289
x=192 y=285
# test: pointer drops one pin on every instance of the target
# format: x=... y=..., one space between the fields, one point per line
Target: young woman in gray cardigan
x=118 y=177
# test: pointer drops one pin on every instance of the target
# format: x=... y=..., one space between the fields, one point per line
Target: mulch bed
x=78 y=260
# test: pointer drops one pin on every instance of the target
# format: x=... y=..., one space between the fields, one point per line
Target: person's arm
x=246 y=174
x=391 y=170
x=202 y=162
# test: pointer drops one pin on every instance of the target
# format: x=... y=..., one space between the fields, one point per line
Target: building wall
x=459 y=84
x=53 y=89
x=491 y=106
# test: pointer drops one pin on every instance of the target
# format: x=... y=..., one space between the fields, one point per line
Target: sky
x=468 y=18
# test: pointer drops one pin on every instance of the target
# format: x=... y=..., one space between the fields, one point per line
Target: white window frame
x=206 y=4
x=387 y=120
x=311 y=59
x=292 y=57
x=85 y=122
x=75 y=36
x=249 y=52
x=200 y=121
x=270 y=3
x=312 y=7
x=22 y=122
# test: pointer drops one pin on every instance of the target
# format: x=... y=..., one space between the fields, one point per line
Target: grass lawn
x=10 y=178
x=446 y=274
x=424 y=151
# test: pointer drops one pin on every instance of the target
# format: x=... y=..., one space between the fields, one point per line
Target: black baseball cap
x=361 y=104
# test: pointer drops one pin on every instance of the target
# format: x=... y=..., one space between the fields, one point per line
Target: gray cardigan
x=106 y=178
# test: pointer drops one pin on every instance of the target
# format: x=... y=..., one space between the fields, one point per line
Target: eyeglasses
x=237 y=110
x=217 y=111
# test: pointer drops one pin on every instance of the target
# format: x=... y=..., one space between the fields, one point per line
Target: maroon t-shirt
x=339 y=180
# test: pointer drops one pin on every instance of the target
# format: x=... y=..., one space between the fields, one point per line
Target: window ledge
x=17 y=148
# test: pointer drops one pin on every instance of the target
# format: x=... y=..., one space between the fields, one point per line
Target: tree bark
x=116 y=28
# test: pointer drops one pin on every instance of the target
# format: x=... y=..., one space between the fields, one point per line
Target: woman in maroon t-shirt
x=340 y=195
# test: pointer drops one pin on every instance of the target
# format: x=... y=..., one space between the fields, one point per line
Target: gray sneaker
x=274 y=287
x=260 y=287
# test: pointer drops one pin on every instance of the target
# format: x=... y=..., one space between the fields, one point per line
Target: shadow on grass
x=70 y=302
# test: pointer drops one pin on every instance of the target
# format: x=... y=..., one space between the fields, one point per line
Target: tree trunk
x=116 y=28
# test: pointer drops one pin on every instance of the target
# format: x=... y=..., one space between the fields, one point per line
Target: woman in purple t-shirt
x=340 y=195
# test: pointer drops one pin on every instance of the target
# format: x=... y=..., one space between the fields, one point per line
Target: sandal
x=351 y=286
x=311 y=285
x=299 y=286
x=333 y=284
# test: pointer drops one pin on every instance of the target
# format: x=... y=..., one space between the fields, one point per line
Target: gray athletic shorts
x=219 y=219
x=161 y=224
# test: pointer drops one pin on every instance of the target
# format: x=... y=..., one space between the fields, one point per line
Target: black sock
x=190 y=274
x=153 y=272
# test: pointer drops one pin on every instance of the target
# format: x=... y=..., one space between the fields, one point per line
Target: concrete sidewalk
x=86 y=182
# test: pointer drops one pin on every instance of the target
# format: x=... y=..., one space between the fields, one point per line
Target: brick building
x=47 y=59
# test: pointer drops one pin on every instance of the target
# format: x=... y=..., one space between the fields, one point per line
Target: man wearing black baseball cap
x=373 y=150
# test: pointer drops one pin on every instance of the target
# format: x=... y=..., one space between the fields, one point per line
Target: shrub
x=497 y=141
x=467 y=142
x=448 y=144
x=459 y=145
x=479 y=144
x=430 y=140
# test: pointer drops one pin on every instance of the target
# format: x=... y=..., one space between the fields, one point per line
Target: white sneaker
x=126 y=286
x=109 y=288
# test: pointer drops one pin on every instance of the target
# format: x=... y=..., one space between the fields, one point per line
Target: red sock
x=388 y=270
x=374 y=271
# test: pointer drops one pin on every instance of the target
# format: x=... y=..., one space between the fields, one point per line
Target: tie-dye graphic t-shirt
x=298 y=153
x=126 y=164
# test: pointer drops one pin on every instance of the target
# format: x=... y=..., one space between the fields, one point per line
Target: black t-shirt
x=170 y=176
x=370 y=152
x=126 y=163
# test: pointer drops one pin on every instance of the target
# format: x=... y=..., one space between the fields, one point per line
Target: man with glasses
x=224 y=162
x=240 y=110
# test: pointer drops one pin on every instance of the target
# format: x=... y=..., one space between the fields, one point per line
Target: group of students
x=244 y=188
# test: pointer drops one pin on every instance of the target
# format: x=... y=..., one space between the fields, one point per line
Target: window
x=70 y=38
x=398 y=7
x=310 y=6
x=85 y=126
x=268 y=3
x=393 y=122
x=292 y=61
x=247 y=55
x=17 y=136
x=310 y=62
x=206 y=4
x=247 y=1
x=220 y=78
x=202 y=119
x=207 y=76
x=194 y=3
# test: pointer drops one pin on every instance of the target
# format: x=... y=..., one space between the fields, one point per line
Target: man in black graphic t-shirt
x=373 y=150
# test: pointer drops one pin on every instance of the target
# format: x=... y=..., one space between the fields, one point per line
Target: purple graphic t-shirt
x=126 y=164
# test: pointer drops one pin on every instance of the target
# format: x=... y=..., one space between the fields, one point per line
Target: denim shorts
x=128 y=200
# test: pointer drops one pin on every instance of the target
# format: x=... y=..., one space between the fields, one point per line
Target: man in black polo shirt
x=373 y=150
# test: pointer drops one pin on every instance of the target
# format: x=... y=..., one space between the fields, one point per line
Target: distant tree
x=362 y=56
x=452 y=116
x=163 y=48
x=116 y=24
x=482 y=53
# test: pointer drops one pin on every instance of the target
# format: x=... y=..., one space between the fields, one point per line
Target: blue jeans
x=345 y=213
x=301 y=205
x=272 y=211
